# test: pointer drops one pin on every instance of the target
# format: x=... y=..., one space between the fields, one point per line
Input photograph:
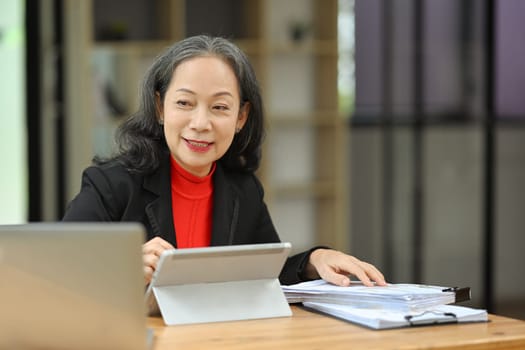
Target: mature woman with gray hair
x=185 y=164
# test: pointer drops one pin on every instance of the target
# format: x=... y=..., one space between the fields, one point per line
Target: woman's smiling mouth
x=198 y=146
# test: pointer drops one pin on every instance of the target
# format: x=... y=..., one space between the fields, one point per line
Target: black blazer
x=111 y=193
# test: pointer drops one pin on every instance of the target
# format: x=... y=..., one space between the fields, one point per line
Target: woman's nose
x=200 y=119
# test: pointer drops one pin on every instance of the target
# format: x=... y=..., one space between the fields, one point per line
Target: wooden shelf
x=312 y=190
x=133 y=47
x=316 y=119
x=307 y=47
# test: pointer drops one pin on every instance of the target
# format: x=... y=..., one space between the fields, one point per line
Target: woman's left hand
x=335 y=267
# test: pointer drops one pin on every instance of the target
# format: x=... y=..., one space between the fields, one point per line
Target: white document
x=403 y=297
x=385 y=319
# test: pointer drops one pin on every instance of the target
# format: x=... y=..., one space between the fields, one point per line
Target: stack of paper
x=380 y=307
x=403 y=297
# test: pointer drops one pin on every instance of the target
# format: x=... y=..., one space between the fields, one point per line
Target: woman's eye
x=183 y=103
x=221 y=107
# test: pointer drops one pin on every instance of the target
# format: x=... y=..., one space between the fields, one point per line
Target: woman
x=185 y=165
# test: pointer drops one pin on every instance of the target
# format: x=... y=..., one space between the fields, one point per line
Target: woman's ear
x=158 y=108
x=244 y=111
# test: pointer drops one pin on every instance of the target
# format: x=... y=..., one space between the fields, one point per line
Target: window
x=13 y=177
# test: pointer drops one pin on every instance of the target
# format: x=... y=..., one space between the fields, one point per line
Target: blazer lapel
x=225 y=209
x=159 y=210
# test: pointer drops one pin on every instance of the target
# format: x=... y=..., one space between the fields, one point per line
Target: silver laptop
x=72 y=286
x=214 y=284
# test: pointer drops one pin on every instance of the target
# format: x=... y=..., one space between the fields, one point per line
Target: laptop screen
x=72 y=285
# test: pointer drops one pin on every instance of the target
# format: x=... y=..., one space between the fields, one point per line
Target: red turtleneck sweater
x=191 y=202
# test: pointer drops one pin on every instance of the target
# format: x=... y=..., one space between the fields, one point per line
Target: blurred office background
x=396 y=127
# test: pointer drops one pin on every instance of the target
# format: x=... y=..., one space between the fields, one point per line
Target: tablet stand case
x=214 y=284
x=221 y=301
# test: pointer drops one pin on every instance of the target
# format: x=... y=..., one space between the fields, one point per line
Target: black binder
x=462 y=294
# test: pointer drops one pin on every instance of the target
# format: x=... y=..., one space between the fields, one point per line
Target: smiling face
x=201 y=112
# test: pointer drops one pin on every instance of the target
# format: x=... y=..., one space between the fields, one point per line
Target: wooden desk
x=308 y=330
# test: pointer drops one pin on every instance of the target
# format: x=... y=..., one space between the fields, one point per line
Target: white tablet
x=210 y=284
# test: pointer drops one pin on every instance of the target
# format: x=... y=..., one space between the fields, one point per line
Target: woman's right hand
x=151 y=251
